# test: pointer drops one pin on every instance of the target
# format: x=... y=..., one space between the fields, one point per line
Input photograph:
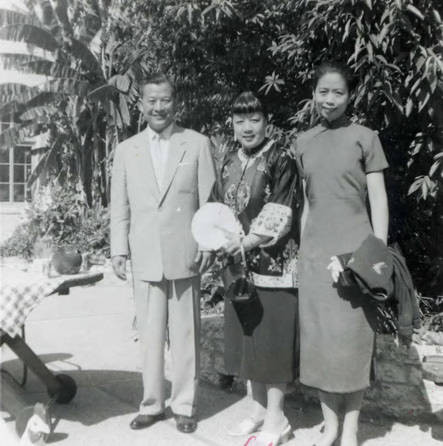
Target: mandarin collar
x=342 y=121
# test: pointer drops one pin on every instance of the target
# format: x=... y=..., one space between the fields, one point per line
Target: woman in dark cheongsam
x=342 y=166
x=259 y=181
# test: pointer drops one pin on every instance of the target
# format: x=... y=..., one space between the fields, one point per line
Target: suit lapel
x=143 y=155
x=177 y=150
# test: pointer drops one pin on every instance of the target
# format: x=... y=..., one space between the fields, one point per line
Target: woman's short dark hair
x=332 y=66
x=247 y=102
x=158 y=78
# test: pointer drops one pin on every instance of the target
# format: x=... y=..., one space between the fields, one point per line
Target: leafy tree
x=90 y=86
x=217 y=48
x=395 y=50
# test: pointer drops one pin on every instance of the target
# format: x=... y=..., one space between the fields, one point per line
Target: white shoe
x=266 y=438
x=245 y=427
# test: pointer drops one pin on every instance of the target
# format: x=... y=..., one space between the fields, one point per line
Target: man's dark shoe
x=144 y=421
x=185 y=424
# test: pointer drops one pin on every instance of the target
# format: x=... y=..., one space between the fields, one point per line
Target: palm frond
x=31 y=64
x=95 y=43
x=26 y=63
x=9 y=17
x=62 y=70
x=82 y=52
x=88 y=26
x=60 y=8
x=39 y=114
x=43 y=10
x=47 y=159
x=11 y=111
x=95 y=9
x=101 y=9
x=122 y=82
x=66 y=87
x=124 y=110
x=13 y=135
x=40 y=100
x=105 y=92
x=31 y=34
x=22 y=48
x=16 y=92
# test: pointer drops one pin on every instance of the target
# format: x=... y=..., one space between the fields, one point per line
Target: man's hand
x=204 y=260
x=119 y=266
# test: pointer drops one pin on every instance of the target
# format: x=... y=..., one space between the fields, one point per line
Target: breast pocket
x=187 y=177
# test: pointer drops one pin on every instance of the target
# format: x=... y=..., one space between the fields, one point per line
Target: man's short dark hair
x=157 y=78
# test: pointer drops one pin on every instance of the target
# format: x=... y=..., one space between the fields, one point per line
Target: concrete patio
x=88 y=335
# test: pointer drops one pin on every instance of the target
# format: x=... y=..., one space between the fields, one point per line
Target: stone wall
x=399 y=389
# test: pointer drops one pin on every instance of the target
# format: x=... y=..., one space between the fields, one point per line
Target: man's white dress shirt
x=159 y=144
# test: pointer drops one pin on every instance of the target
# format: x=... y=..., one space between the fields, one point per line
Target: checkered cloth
x=17 y=300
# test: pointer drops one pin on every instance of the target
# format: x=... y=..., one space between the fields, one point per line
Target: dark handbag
x=241 y=288
x=242 y=295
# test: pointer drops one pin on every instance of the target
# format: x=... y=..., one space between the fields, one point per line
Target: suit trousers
x=173 y=306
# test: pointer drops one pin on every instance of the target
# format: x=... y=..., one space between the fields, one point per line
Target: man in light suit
x=160 y=178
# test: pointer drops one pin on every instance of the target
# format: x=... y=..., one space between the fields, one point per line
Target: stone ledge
x=399 y=390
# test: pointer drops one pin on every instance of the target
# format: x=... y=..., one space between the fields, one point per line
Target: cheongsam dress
x=336 y=323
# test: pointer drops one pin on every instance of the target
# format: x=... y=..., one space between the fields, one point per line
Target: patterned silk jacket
x=264 y=190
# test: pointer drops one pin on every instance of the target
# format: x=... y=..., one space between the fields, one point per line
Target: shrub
x=394 y=49
x=59 y=216
x=21 y=243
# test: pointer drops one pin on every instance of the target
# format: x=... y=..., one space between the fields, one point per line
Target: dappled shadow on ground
x=101 y=394
x=108 y=394
x=374 y=429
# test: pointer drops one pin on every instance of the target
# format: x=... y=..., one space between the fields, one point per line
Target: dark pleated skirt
x=263 y=343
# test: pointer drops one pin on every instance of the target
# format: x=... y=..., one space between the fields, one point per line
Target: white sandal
x=265 y=438
x=245 y=427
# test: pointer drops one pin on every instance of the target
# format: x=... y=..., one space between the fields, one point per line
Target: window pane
x=19 y=155
x=27 y=171
x=4 y=155
x=4 y=173
x=4 y=192
x=27 y=155
x=19 y=174
x=19 y=192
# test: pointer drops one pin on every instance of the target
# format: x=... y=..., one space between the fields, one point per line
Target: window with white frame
x=15 y=168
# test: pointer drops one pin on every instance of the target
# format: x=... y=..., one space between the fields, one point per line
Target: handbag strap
x=247 y=273
x=243 y=256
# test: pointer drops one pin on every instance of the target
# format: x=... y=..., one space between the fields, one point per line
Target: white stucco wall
x=9 y=218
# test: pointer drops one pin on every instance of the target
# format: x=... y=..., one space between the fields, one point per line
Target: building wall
x=15 y=169
x=9 y=218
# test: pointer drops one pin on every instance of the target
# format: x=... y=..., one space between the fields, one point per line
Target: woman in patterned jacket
x=260 y=183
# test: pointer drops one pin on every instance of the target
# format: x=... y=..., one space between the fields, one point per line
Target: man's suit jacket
x=153 y=224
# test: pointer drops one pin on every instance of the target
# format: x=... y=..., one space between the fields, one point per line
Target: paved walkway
x=88 y=335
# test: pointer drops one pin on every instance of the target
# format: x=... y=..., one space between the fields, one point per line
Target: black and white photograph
x=221 y=222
